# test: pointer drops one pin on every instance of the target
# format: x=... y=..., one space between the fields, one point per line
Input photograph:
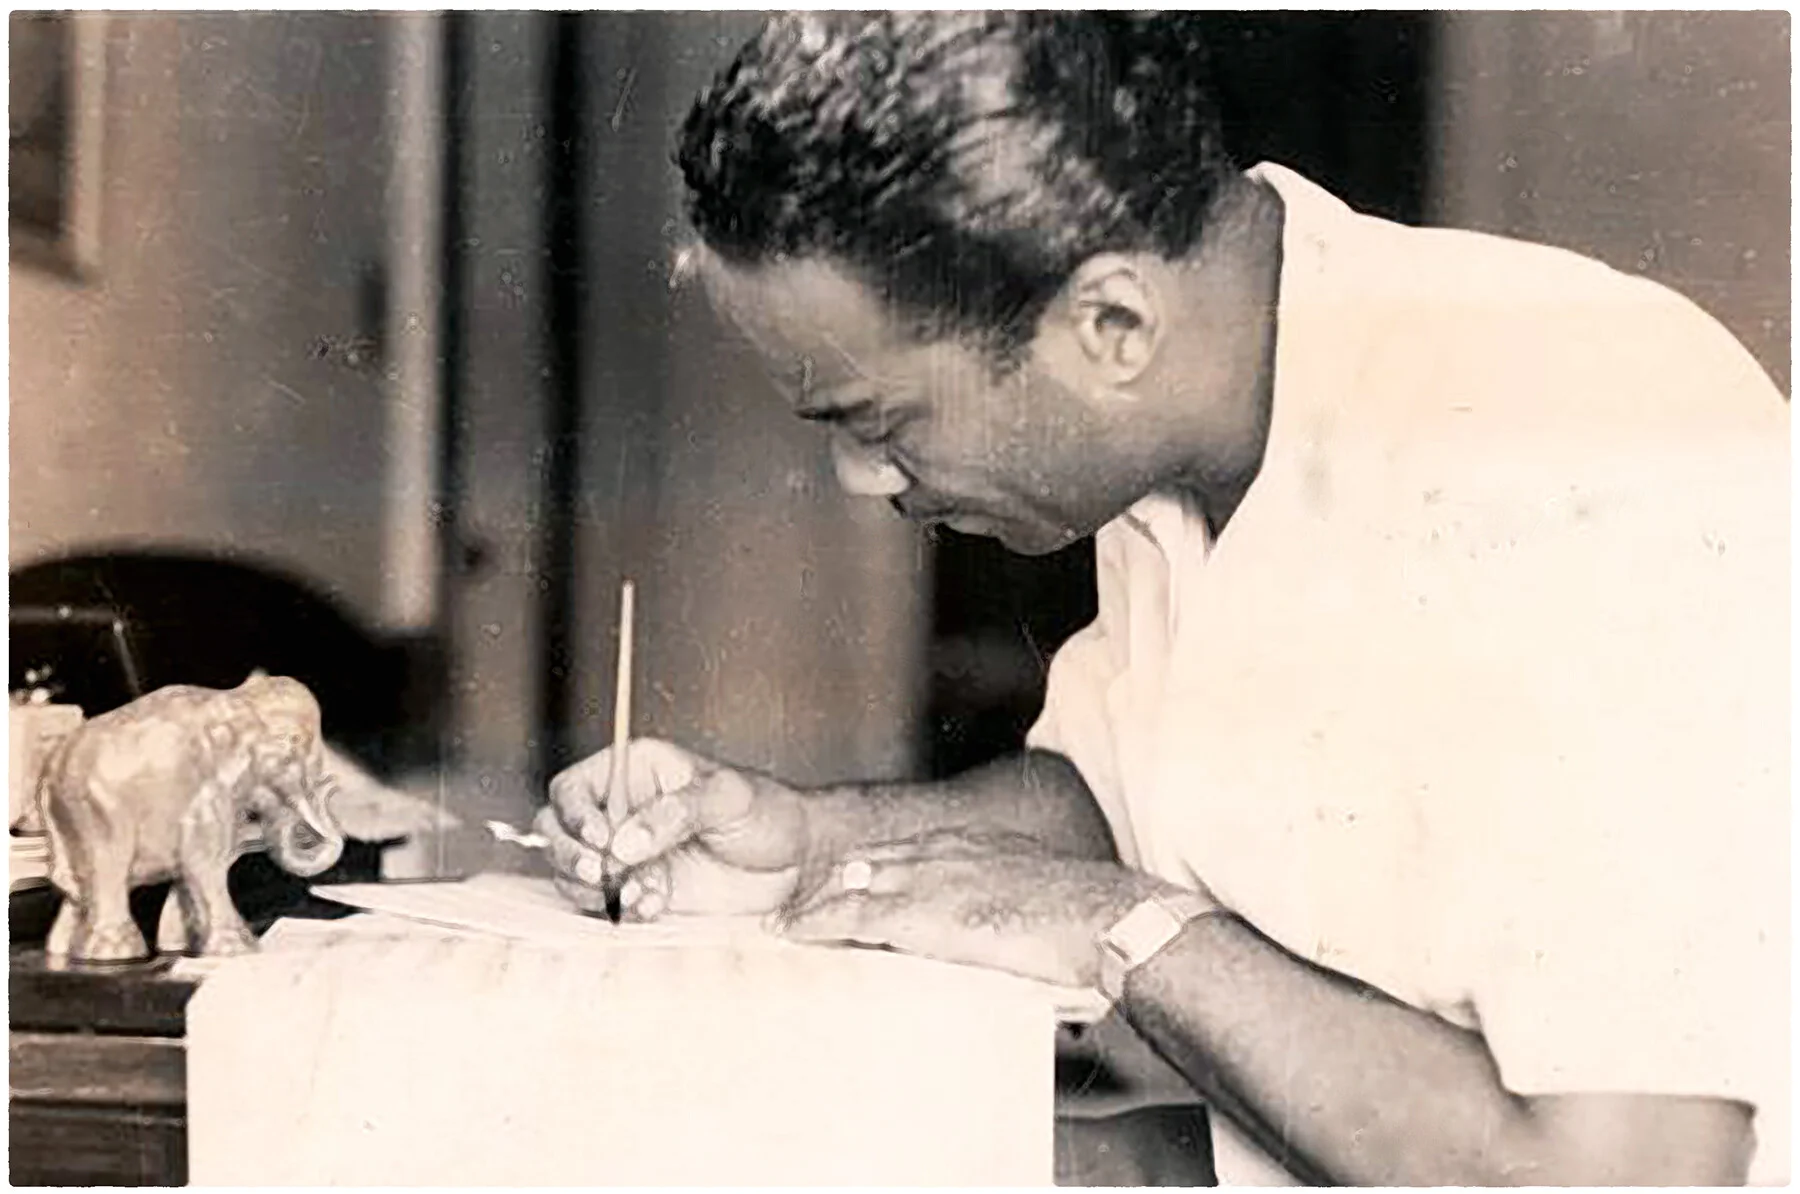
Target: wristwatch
x=1144 y=932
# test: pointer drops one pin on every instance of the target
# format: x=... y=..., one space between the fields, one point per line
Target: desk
x=99 y=1076
x=98 y=1072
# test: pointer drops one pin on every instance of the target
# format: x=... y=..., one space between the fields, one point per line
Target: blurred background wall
x=199 y=394
x=228 y=379
x=212 y=381
x=1658 y=142
x=786 y=623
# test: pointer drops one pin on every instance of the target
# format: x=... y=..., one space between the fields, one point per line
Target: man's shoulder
x=1480 y=283
x=1444 y=274
x=1529 y=338
x=1409 y=324
x=1503 y=389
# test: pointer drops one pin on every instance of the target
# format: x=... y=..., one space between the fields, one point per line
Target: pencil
x=618 y=805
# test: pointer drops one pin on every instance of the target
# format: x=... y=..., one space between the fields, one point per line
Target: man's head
x=951 y=233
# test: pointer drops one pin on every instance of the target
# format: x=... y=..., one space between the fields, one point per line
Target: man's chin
x=1025 y=539
x=1032 y=540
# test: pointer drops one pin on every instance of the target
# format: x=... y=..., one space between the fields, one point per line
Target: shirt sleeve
x=1634 y=887
x=1077 y=720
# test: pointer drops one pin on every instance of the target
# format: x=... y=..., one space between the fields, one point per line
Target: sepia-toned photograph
x=900 y=598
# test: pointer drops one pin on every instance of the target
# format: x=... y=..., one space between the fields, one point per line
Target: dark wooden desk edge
x=141 y=999
x=110 y=1142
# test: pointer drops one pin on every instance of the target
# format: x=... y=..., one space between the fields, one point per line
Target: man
x=1419 y=791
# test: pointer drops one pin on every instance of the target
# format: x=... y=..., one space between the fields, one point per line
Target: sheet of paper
x=423 y=1056
x=527 y=908
x=310 y=936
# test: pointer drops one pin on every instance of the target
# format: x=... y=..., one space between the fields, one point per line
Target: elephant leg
x=215 y=929
x=173 y=935
x=207 y=850
x=91 y=855
x=62 y=930
x=103 y=930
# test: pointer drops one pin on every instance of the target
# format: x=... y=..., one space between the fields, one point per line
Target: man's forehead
x=804 y=312
x=811 y=281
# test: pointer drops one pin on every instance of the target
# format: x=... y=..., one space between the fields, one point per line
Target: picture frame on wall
x=56 y=96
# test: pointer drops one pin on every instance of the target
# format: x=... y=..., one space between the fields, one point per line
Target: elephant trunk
x=305 y=839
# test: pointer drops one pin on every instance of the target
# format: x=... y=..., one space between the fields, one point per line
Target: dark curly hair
x=961 y=163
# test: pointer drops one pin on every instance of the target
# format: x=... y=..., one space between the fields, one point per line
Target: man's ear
x=1117 y=315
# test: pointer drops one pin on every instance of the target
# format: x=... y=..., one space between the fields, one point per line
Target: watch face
x=1144 y=928
x=1141 y=934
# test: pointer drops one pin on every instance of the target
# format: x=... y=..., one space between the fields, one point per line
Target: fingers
x=590 y=900
x=890 y=861
x=887 y=868
x=580 y=793
x=645 y=895
x=894 y=921
x=580 y=872
x=578 y=801
x=655 y=829
x=856 y=920
x=818 y=878
x=571 y=858
x=851 y=884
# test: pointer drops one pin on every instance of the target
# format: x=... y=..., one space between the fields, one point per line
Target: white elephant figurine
x=178 y=785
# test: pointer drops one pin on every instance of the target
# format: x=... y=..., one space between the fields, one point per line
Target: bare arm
x=1339 y=1081
x=1346 y=1085
x=1036 y=794
x=756 y=841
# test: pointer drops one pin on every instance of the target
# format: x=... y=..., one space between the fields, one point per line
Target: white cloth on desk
x=402 y=1054
x=1482 y=697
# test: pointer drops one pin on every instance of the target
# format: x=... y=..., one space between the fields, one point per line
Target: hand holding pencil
x=644 y=828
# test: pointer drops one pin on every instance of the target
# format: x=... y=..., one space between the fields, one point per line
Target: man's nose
x=866 y=471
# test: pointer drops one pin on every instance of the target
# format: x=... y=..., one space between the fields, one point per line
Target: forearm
x=1038 y=794
x=1342 y=1083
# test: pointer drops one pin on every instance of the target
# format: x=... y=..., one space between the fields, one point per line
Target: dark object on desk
x=195 y=619
x=79 y=655
x=176 y=786
x=262 y=892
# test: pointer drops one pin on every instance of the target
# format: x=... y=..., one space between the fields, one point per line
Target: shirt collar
x=1311 y=218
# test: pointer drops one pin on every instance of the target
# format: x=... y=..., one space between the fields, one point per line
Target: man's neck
x=1237 y=278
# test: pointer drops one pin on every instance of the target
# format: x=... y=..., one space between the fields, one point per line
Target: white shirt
x=1482 y=696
